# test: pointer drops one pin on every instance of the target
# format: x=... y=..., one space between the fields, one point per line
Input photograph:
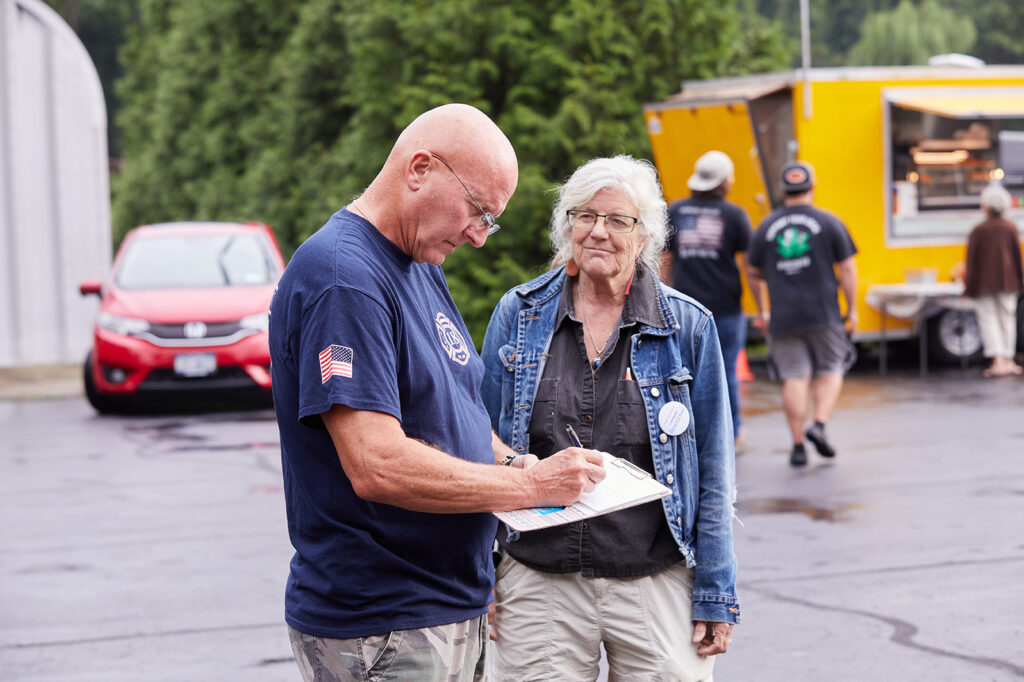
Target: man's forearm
x=848 y=283
x=384 y=465
x=757 y=288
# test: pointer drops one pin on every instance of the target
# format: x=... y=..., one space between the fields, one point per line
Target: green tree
x=910 y=34
x=836 y=26
x=1000 y=24
x=195 y=86
x=254 y=109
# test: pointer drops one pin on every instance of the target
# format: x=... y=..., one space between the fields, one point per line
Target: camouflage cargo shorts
x=456 y=652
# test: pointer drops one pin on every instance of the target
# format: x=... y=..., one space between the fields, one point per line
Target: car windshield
x=180 y=261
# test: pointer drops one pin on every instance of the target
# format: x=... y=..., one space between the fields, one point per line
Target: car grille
x=216 y=334
x=177 y=331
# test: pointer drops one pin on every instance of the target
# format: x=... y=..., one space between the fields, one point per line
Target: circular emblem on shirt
x=673 y=418
x=451 y=339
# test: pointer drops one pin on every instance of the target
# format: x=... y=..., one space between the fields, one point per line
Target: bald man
x=387 y=452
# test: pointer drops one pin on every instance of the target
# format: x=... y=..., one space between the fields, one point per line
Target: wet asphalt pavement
x=154 y=547
x=902 y=559
x=141 y=548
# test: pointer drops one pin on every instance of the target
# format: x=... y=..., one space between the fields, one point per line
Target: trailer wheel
x=954 y=337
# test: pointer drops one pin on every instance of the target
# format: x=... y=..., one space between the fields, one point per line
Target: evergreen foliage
x=910 y=34
x=836 y=26
x=1000 y=24
x=284 y=111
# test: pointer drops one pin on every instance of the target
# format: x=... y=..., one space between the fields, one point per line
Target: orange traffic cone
x=743 y=372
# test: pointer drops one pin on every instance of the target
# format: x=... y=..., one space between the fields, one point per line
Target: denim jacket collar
x=658 y=319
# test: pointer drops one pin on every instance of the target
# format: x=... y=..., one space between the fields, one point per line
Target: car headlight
x=125 y=326
x=260 y=322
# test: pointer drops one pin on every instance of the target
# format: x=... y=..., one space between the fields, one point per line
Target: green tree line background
x=282 y=111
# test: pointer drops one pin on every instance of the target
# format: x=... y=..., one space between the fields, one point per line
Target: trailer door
x=752 y=123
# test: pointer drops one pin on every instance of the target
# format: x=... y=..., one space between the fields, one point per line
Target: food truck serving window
x=943 y=147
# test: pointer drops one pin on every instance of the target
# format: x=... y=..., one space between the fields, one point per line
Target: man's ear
x=417 y=169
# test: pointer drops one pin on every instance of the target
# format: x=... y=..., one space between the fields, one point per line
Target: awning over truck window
x=973 y=103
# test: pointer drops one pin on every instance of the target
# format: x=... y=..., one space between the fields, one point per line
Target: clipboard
x=625 y=485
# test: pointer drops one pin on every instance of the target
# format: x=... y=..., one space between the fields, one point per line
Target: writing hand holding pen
x=575 y=440
x=561 y=478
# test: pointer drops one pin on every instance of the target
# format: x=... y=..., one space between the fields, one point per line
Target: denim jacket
x=680 y=362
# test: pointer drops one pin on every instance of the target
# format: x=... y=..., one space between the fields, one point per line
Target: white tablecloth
x=910 y=300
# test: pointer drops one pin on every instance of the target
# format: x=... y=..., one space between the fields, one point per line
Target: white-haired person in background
x=994 y=279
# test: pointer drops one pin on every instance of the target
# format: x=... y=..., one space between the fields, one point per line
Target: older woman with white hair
x=994 y=280
x=600 y=344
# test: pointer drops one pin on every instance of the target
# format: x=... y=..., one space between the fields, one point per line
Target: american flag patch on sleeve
x=335 y=361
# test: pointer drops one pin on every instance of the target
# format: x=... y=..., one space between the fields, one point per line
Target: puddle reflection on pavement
x=783 y=505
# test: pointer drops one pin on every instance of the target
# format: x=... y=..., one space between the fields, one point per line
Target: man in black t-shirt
x=700 y=259
x=795 y=251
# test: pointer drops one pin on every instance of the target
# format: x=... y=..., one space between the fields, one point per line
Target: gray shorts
x=813 y=353
x=456 y=652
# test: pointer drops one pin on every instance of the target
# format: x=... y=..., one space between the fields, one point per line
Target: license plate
x=195 y=364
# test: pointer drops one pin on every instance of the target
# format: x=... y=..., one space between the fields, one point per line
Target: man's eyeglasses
x=486 y=219
x=613 y=222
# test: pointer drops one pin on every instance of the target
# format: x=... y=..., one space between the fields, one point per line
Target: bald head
x=467 y=139
x=448 y=167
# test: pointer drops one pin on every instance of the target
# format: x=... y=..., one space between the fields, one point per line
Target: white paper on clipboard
x=625 y=485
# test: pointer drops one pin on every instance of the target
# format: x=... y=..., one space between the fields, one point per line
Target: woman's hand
x=711 y=637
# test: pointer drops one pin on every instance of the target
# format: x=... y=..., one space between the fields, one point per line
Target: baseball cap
x=797 y=177
x=710 y=171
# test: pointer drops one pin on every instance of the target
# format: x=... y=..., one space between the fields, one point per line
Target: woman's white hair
x=638 y=179
x=996 y=199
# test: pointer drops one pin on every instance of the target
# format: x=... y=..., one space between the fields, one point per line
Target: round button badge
x=673 y=418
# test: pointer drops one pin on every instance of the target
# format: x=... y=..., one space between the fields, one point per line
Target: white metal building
x=54 y=190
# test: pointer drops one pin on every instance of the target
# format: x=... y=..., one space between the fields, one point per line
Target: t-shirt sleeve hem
x=309 y=415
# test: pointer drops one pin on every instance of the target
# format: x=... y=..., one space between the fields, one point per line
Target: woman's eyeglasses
x=613 y=222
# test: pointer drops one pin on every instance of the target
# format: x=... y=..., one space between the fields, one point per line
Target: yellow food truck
x=901 y=155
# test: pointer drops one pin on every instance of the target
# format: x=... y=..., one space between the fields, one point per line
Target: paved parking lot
x=141 y=548
x=154 y=547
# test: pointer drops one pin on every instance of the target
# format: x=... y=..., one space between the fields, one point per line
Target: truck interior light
x=940 y=158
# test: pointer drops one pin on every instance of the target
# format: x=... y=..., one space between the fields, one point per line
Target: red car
x=184 y=308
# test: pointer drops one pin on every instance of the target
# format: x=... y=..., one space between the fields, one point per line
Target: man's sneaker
x=816 y=434
x=798 y=456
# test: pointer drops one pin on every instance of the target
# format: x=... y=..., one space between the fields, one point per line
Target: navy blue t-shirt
x=709 y=232
x=356 y=322
x=796 y=248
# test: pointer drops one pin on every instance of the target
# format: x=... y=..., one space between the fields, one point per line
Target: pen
x=573 y=438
